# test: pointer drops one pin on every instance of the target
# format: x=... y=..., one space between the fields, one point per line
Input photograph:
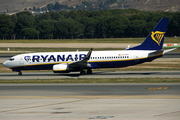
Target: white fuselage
x=98 y=59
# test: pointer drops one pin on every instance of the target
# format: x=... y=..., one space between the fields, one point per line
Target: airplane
x=65 y=62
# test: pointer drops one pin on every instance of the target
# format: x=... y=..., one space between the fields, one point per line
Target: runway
x=96 y=74
x=90 y=101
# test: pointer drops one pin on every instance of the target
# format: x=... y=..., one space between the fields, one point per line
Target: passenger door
x=21 y=60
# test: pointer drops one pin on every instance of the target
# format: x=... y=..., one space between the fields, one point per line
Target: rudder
x=155 y=39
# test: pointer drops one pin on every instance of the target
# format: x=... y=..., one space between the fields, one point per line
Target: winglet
x=88 y=55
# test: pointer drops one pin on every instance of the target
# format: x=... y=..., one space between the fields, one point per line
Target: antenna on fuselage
x=127 y=47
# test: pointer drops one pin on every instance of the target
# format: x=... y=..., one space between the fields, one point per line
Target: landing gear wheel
x=89 y=71
x=82 y=72
x=20 y=73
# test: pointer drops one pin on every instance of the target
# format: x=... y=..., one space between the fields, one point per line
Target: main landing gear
x=20 y=73
x=82 y=72
x=89 y=71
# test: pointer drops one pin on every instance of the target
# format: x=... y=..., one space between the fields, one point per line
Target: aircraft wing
x=82 y=63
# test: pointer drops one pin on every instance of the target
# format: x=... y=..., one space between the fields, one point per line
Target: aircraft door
x=136 y=57
x=21 y=60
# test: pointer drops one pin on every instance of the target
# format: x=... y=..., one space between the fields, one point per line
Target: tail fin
x=155 y=39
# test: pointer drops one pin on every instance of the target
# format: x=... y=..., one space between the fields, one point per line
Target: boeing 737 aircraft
x=60 y=62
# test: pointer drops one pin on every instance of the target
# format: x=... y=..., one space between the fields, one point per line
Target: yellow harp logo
x=157 y=36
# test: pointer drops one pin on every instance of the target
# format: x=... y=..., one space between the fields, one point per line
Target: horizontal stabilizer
x=165 y=51
x=158 y=52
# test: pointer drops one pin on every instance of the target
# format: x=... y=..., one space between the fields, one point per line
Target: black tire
x=89 y=71
x=82 y=72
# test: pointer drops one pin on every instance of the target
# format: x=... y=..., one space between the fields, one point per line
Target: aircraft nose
x=5 y=64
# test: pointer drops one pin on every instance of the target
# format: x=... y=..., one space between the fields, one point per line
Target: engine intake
x=61 y=68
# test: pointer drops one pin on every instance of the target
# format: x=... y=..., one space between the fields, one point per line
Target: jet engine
x=61 y=68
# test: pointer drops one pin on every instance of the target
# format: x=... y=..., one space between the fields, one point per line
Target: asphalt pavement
x=90 y=101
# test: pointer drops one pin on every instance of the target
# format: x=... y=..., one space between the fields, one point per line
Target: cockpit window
x=11 y=59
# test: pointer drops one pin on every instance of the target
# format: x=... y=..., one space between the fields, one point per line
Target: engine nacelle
x=61 y=68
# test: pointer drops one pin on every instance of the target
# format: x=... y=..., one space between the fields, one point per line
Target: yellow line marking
x=158 y=88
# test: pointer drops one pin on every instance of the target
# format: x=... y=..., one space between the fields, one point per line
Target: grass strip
x=55 y=49
x=95 y=40
x=94 y=80
x=32 y=50
x=100 y=40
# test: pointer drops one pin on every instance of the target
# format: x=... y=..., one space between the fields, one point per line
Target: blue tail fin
x=155 y=39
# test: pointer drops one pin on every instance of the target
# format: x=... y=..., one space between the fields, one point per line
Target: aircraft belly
x=34 y=67
x=113 y=64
